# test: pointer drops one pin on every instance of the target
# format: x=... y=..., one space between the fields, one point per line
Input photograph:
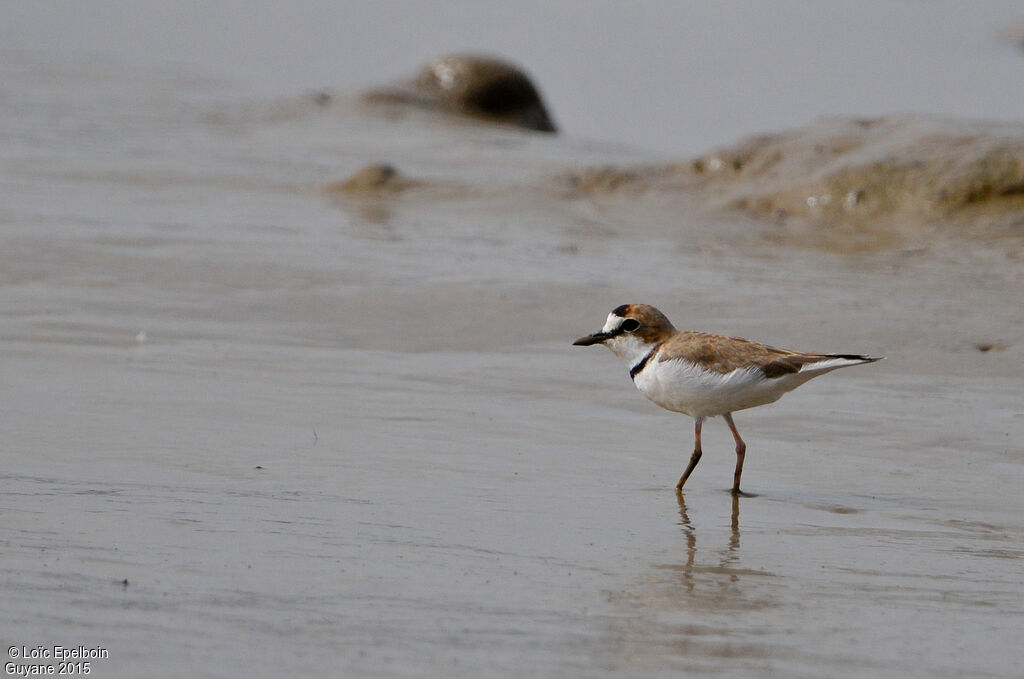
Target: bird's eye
x=630 y=324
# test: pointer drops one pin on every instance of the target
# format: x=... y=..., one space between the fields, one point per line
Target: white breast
x=685 y=387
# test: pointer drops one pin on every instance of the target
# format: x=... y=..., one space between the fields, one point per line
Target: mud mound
x=374 y=180
x=480 y=87
x=900 y=172
x=914 y=169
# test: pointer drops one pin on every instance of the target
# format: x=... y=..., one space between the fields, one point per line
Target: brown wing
x=724 y=354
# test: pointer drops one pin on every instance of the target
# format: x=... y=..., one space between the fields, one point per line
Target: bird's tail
x=829 y=362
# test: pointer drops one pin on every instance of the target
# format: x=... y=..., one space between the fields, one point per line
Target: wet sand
x=253 y=427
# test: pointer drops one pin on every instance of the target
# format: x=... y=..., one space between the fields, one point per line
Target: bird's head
x=631 y=331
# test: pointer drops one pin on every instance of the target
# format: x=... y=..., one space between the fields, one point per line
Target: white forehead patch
x=612 y=323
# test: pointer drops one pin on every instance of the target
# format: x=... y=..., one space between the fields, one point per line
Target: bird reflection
x=728 y=557
x=734 y=539
x=691 y=541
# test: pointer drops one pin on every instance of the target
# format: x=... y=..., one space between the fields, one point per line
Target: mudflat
x=254 y=424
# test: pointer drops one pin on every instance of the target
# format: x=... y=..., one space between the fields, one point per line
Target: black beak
x=596 y=338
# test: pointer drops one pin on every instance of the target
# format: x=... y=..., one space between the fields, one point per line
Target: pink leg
x=741 y=450
x=695 y=458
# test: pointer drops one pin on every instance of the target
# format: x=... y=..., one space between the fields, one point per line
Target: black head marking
x=621 y=311
x=628 y=325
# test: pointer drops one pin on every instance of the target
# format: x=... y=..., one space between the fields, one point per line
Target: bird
x=706 y=375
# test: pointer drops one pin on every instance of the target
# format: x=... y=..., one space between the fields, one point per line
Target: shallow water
x=250 y=427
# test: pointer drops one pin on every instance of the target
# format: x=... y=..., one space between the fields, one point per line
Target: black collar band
x=638 y=368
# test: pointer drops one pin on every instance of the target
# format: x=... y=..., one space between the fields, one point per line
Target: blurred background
x=665 y=76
